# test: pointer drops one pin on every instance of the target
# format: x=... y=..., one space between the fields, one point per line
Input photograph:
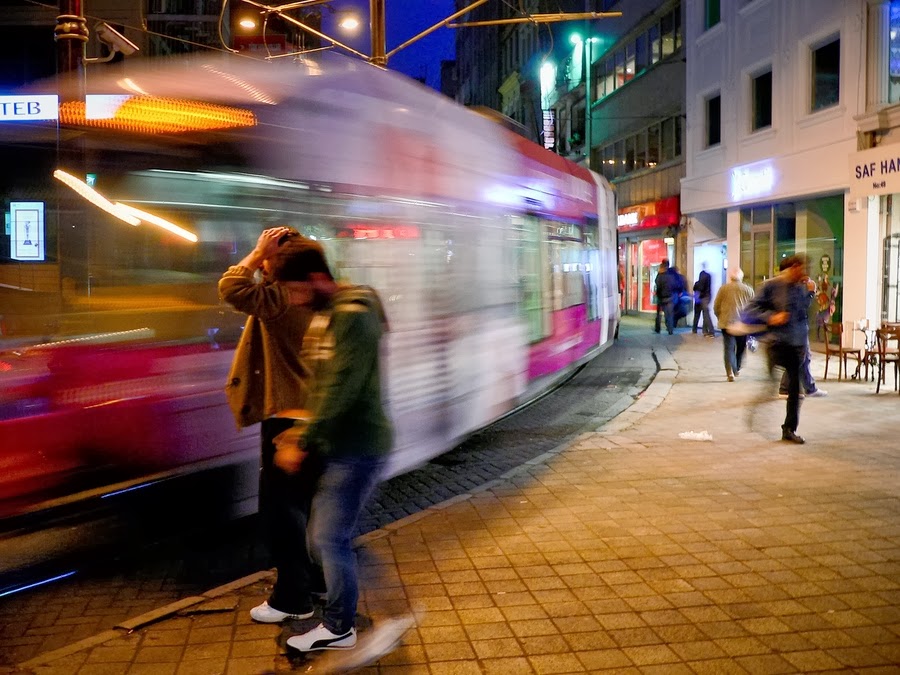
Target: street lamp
x=587 y=57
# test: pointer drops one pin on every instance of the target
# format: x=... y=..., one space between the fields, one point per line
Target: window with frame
x=713 y=120
x=826 y=75
x=669 y=28
x=660 y=142
x=642 y=53
x=761 y=96
x=655 y=44
x=712 y=14
x=653 y=145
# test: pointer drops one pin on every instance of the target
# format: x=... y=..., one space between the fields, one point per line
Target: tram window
x=534 y=283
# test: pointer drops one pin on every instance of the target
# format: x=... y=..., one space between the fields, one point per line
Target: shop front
x=814 y=226
x=646 y=238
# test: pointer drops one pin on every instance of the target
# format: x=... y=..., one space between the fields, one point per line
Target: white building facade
x=776 y=100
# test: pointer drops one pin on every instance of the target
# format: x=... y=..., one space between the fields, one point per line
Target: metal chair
x=887 y=354
x=836 y=331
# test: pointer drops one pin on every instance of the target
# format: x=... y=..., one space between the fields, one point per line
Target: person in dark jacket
x=783 y=303
x=346 y=431
x=681 y=301
x=702 y=297
x=664 y=297
x=267 y=381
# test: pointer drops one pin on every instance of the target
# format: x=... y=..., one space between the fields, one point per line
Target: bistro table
x=870 y=351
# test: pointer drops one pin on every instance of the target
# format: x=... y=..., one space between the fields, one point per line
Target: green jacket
x=266 y=374
x=341 y=349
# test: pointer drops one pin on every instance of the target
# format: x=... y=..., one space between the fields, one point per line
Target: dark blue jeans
x=807 y=383
x=735 y=346
x=344 y=486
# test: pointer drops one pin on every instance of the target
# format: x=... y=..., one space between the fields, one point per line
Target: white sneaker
x=322 y=638
x=817 y=393
x=265 y=613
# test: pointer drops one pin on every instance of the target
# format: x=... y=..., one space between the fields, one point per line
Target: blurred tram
x=495 y=259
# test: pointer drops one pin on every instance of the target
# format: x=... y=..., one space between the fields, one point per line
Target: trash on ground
x=695 y=435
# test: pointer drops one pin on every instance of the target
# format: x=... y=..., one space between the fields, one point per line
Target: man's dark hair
x=793 y=261
x=297 y=258
x=288 y=235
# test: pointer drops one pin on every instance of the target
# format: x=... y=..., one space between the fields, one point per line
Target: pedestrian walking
x=783 y=304
x=267 y=379
x=681 y=300
x=730 y=300
x=346 y=431
x=808 y=385
x=665 y=301
x=702 y=298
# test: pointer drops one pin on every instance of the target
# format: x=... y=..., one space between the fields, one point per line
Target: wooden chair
x=836 y=331
x=885 y=337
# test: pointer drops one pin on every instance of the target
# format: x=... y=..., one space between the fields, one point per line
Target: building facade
x=873 y=206
x=635 y=132
x=633 y=135
x=775 y=92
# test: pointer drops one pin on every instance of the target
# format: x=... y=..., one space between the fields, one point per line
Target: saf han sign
x=875 y=171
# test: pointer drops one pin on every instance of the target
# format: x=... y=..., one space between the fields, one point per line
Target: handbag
x=749 y=323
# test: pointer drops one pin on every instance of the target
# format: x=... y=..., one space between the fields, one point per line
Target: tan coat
x=729 y=302
x=266 y=374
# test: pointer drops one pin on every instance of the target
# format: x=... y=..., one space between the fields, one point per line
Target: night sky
x=404 y=19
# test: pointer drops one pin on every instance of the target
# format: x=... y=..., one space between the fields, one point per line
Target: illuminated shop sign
x=27 y=230
x=46 y=107
x=750 y=181
x=629 y=219
x=28 y=108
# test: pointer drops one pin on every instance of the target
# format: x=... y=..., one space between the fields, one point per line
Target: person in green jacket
x=346 y=431
x=266 y=382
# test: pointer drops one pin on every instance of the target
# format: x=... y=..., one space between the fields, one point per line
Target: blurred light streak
x=159 y=222
x=255 y=93
x=131 y=85
x=156 y=115
x=37 y=583
x=94 y=197
x=129 y=489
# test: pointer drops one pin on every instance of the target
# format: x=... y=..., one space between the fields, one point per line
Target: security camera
x=114 y=39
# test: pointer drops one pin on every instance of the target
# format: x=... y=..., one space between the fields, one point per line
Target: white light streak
x=159 y=222
x=94 y=197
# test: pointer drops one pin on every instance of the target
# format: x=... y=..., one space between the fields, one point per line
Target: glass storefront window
x=816 y=227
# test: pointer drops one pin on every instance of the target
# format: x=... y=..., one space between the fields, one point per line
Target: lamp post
x=71 y=34
x=588 y=102
x=379 y=35
x=587 y=59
